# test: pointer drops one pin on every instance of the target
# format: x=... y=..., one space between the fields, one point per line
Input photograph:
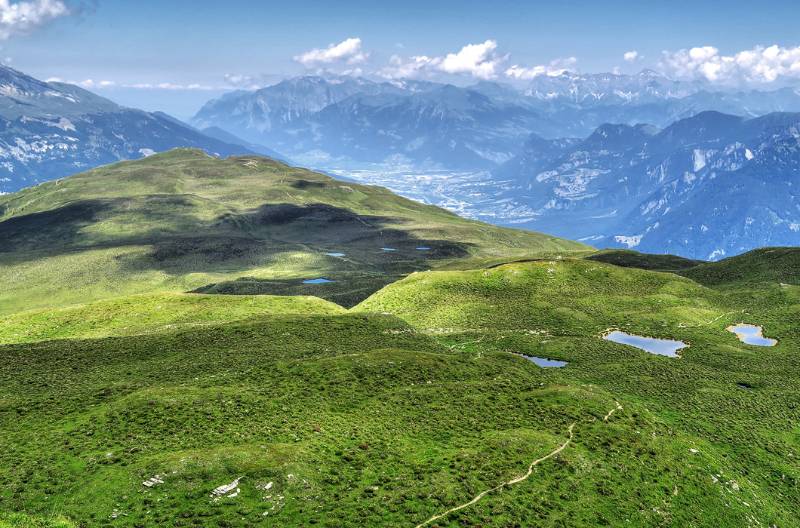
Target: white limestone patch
x=226 y=490
x=153 y=481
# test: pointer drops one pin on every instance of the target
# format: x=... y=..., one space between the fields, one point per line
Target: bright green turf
x=181 y=220
x=143 y=314
x=362 y=419
x=767 y=265
x=407 y=405
x=633 y=259
x=558 y=309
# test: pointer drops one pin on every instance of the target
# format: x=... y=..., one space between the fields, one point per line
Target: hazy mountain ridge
x=327 y=120
x=705 y=187
x=51 y=130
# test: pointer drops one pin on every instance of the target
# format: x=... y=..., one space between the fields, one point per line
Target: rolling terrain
x=183 y=220
x=414 y=406
x=405 y=398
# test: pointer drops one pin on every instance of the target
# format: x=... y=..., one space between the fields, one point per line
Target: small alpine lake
x=751 y=335
x=320 y=280
x=544 y=362
x=660 y=347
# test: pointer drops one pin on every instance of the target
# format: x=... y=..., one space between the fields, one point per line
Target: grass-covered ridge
x=774 y=264
x=627 y=258
x=182 y=220
x=125 y=401
x=150 y=313
x=410 y=404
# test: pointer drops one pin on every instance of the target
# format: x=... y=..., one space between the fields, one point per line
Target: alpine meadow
x=300 y=264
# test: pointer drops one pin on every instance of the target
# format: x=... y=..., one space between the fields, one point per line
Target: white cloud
x=553 y=69
x=757 y=65
x=91 y=84
x=411 y=68
x=86 y=83
x=630 y=56
x=168 y=86
x=478 y=60
x=348 y=51
x=22 y=17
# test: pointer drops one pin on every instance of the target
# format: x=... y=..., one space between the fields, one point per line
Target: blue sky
x=173 y=55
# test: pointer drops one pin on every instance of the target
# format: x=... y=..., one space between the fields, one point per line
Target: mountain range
x=50 y=129
x=328 y=121
x=704 y=187
x=614 y=160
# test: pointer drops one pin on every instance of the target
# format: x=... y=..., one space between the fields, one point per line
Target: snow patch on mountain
x=630 y=241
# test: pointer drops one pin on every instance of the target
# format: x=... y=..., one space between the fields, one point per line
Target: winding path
x=519 y=479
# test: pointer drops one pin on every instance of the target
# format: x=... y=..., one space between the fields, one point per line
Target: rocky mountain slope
x=51 y=130
x=327 y=121
x=705 y=187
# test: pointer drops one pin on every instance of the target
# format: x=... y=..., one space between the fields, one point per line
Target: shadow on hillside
x=266 y=235
x=55 y=228
x=181 y=242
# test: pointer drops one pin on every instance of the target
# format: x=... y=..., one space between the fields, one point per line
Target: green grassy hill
x=739 y=401
x=133 y=411
x=180 y=221
x=775 y=264
x=150 y=313
x=125 y=401
x=338 y=420
x=633 y=259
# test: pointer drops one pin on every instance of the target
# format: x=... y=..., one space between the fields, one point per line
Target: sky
x=174 y=55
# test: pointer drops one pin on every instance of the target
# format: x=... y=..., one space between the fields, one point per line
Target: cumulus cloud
x=417 y=66
x=22 y=17
x=553 y=69
x=91 y=84
x=348 y=51
x=757 y=65
x=168 y=86
x=86 y=83
x=477 y=60
x=630 y=56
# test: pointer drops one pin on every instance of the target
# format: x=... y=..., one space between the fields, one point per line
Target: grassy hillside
x=408 y=405
x=739 y=401
x=777 y=265
x=180 y=221
x=125 y=401
x=633 y=259
x=341 y=420
x=150 y=313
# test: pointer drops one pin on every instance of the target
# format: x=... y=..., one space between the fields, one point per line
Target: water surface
x=545 y=362
x=320 y=280
x=751 y=334
x=388 y=249
x=335 y=254
x=423 y=248
x=660 y=347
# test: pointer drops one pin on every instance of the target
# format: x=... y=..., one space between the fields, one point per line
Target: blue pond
x=335 y=254
x=660 y=347
x=545 y=362
x=752 y=335
x=317 y=281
